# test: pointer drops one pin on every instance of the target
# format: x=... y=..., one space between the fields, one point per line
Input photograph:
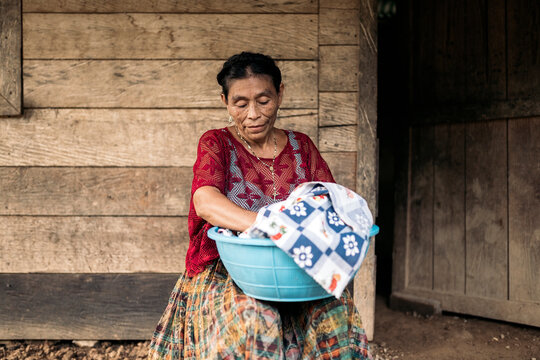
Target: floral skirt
x=209 y=317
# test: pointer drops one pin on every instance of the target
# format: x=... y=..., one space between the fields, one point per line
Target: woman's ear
x=224 y=99
x=280 y=93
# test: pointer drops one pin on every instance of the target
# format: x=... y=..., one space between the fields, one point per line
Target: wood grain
x=524 y=208
x=486 y=210
x=343 y=167
x=339 y=26
x=337 y=138
x=171 y=6
x=95 y=191
x=338 y=108
x=339 y=4
x=82 y=306
x=449 y=209
x=74 y=244
x=120 y=137
x=10 y=58
x=147 y=84
x=339 y=68
x=168 y=36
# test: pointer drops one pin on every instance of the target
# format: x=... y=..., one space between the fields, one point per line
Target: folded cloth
x=324 y=227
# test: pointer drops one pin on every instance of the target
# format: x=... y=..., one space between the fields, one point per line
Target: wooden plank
x=10 y=58
x=343 y=167
x=74 y=244
x=523 y=49
x=82 y=306
x=486 y=212
x=95 y=191
x=167 y=36
x=520 y=312
x=339 y=26
x=337 y=138
x=339 y=4
x=147 y=84
x=171 y=6
x=338 y=108
x=420 y=244
x=121 y=137
x=449 y=209
x=339 y=68
x=523 y=209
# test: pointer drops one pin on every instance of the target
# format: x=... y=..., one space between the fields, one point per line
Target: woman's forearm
x=214 y=207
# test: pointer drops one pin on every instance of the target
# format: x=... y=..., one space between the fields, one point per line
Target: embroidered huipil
x=223 y=162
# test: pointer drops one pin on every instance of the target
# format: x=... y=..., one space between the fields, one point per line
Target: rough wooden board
x=95 y=191
x=119 y=137
x=343 y=167
x=337 y=138
x=524 y=209
x=339 y=4
x=148 y=84
x=409 y=303
x=339 y=26
x=74 y=244
x=339 y=68
x=449 y=209
x=168 y=36
x=364 y=291
x=420 y=244
x=82 y=306
x=523 y=49
x=10 y=58
x=486 y=212
x=172 y=6
x=338 y=108
x=521 y=312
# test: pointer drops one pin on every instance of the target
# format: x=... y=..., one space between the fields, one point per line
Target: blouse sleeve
x=317 y=166
x=209 y=168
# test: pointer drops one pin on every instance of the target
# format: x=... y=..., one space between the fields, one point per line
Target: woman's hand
x=214 y=207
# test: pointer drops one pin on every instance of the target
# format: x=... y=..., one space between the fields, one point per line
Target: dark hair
x=241 y=65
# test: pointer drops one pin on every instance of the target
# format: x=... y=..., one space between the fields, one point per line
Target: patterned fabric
x=208 y=317
x=324 y=227
x=223 y=162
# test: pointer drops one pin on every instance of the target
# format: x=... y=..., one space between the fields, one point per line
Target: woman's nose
x=253 y=112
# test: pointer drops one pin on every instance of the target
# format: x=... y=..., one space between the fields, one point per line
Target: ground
x=397 y=336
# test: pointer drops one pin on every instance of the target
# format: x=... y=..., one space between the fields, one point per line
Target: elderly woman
x=239 y=169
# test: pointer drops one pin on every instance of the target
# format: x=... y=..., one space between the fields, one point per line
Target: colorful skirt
x=209 y=317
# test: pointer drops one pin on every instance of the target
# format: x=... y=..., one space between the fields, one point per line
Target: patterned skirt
x=209 y=317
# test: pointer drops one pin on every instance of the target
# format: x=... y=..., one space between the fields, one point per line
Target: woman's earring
x=230 y=120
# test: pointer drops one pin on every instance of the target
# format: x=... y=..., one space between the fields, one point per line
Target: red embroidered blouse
x=223 y=162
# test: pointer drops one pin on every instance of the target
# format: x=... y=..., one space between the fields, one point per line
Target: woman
x=239 y=169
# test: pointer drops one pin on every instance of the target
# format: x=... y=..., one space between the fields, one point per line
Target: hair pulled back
x=243 y=65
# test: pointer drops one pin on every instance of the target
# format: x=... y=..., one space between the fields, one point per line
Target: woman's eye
x=241 y=105
x=264 y=102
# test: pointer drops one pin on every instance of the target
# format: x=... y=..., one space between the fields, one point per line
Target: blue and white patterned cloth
x=324 y=227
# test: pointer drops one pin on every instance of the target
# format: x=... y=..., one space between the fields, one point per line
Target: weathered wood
x=339 y=68
x=343 y=167
x=148 y=84
x=337 y=138
x=74 y=244
x=168 y=36
x=338 y=108
x=522 y=312
x=524 y=209
x=10 y=58
x=409 y=303
x=486 y=214
x=82 y=306
x=339 y=4
x=339 y=26
x=420 y=242
x=449 y=209
x=120 y=137
x=95 y=191
x=171 y=6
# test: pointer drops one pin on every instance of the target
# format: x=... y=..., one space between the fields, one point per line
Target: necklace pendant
x=271 y=168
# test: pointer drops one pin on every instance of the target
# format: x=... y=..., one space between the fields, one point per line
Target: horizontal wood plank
x=339 y=4
x=173 y=6
x=339 y=68
x=147 y=84
x=10 y=58
x=92 y=244
x=339 y=26
x=83 y=306
x=167 y=36
x=337 y=138
x=120 y=137
x=343 y=167
x=95 y=191
x=338 y=108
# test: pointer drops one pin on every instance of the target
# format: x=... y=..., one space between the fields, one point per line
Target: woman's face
x=253 y=103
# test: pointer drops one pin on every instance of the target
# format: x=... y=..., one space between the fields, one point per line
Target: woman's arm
x=214 y=207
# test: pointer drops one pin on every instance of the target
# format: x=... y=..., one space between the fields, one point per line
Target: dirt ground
x=397 y=336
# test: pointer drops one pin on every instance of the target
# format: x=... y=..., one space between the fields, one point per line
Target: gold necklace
x=270 y=167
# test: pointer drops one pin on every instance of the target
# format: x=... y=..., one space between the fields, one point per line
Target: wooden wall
x=96 y=174
x=467 y=225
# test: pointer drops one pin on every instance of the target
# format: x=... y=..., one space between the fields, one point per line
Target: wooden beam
x=10 y=58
